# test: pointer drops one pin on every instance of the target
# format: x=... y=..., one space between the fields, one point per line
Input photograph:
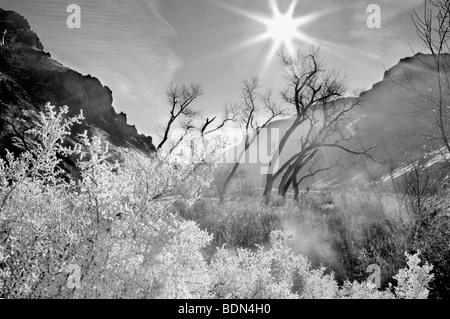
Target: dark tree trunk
x=271 y=177
x=268 y=188
x=295 y=185
x=284 y=186
x=282 y=190
x=291 y=173
x=224 y=188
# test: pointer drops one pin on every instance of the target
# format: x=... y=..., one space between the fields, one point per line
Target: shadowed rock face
x=18 y=29
x=30 y=78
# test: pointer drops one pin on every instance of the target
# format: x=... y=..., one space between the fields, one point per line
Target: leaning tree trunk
x=288 y=178
x=292 y=180
x=224 y=187
x=268 y=188
x=284 y=187
x=284 y=184
x=271 y=177
x=291 y=173
x=295 y=185
x=271 y=180
x=282 y=190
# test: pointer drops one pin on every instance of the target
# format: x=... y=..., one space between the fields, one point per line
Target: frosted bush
x=413 y=281
x=140 y=246
x=116 y=225
x=274 y=273
x=356 y=290
x=319 y=285
x=112 y=223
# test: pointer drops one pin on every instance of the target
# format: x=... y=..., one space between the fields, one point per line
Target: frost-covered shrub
x=117 y=225
x=36 y=229
x=137 y=246
x=112 y=223
x=275 y=273
x=278 y=273
x=356 y=290
x=413 y=281
x=253 y=275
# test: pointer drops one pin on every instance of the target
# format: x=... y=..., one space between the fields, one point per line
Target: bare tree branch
x=180 y=99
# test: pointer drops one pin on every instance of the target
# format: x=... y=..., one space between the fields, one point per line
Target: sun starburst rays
x=282 y=28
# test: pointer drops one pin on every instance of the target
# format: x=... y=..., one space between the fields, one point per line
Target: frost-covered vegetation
x=136 y=229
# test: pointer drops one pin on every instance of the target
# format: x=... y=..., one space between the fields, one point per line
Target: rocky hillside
x=30 y=78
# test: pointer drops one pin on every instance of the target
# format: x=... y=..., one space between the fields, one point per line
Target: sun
x=282 y=28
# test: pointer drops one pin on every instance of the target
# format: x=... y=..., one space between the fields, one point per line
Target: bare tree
x=180 y=99
x=183 y=116
x=294 y=179
x=328 y=132
x=231 y=114
x=428 y=106
x=186 y=124
x=434 y=31
x=253 y=106
x=320 y=115
x=433 y=27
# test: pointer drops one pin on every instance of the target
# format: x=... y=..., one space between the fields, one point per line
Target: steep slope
x=30 y=78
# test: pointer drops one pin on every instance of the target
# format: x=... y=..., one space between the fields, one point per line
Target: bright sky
x=138 y=47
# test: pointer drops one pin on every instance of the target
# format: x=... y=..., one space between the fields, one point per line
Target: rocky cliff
x=30 y=78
